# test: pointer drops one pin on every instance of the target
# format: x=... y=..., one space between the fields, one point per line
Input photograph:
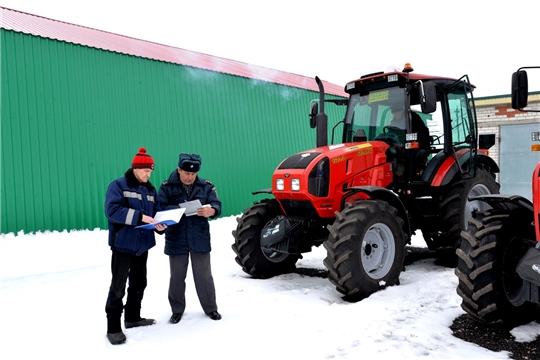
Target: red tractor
x=499 y=255
x=408 y=160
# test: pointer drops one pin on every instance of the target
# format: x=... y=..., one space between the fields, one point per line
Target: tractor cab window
x=460 y=131
x=376 y=112
x=383 y=115
x=462 y=123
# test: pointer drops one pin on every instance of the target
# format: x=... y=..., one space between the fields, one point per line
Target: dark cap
x=189 y=162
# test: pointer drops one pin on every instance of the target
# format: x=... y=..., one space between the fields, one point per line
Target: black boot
x=116 y=338
x=175 y=318
x=140 y=322
x=114 y=331
x=133 y=318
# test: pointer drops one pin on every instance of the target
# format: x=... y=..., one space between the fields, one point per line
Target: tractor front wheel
x=257 y=261
x=365 y=249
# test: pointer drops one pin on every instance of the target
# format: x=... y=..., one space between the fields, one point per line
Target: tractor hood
x=335 y=153
x=321 y=175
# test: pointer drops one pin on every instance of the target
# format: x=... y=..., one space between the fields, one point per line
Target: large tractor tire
x=365 y=249
x=456 y=209
x=254 y=260
x=489 y=252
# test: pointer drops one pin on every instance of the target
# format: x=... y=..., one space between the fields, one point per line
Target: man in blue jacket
x=191 y=236
x=130 y=201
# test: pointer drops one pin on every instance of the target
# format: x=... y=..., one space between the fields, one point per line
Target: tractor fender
x=445 y=168
x=506 y=202
x=516 y=204
x=487 y=162
x=380 y=193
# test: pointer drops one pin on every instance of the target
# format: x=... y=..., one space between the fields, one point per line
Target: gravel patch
x=494 y=338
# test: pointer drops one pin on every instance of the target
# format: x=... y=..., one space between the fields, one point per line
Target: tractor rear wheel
x=255 y=260
x=365 y=249
x=456 y=209
x=490 y=249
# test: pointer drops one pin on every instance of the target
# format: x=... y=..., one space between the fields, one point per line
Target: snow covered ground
x=54 y=287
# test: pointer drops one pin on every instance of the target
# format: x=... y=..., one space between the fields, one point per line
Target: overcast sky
x=335 y=40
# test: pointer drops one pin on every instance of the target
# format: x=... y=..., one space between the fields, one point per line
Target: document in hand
x=167 y=217
x=191 y=207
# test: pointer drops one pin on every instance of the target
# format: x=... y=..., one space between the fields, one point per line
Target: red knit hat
x=142 y=160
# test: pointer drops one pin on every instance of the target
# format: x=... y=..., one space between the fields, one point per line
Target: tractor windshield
x=373 y=111
x=382 y=113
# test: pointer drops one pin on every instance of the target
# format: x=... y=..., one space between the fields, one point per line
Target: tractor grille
x=299 y=208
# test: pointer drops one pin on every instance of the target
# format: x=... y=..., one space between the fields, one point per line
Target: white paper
x=191 y=207
x=172 y=214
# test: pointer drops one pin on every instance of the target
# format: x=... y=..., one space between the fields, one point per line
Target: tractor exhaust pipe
x=321 y=119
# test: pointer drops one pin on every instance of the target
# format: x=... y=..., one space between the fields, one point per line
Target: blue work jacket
x=126 y=202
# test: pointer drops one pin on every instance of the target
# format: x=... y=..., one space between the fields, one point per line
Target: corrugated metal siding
x=73 y=117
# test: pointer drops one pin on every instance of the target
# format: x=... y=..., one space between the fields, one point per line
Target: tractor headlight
x=280 y=184
x=295 y=184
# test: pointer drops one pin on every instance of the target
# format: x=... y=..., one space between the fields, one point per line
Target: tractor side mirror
x=520 y=89
x=428 y=102
x=313 y=113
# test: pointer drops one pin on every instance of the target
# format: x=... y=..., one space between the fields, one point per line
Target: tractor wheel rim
x=470 y=206
x=378 y=250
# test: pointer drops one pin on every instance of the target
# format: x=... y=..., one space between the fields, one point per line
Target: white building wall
x=494 y=112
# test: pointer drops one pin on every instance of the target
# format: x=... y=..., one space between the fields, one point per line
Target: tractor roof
x=383 y=80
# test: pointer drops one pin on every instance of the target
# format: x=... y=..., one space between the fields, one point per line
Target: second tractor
x=499 y=255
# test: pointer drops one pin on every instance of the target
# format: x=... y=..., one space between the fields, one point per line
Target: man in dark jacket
x=191 y=236
x=130 y=201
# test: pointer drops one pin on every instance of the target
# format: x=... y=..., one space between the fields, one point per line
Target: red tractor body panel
x=350 y=164
x=536 y=199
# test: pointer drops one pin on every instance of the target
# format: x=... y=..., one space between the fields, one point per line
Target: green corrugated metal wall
x=73 y=117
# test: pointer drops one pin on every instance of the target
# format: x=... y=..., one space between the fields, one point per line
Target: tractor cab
x=418 y=116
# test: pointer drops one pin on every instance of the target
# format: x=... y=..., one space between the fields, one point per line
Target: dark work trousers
x=202 y=276
x=125 y=267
